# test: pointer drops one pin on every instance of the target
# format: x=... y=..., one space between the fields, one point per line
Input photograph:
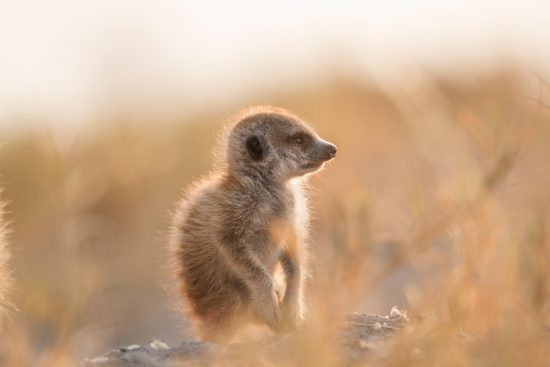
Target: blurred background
x=437 y=201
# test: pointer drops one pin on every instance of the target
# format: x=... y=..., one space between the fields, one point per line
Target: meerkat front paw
x=292 y=316
x=268 y=311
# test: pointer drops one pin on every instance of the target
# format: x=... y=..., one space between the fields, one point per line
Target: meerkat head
x=275 y=144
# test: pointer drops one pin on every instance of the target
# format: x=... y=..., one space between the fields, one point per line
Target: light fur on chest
x=283 y=233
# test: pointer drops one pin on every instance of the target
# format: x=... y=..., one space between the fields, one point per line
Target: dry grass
x=5 y=271
x=437 y=202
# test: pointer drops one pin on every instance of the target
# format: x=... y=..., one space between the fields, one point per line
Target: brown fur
x=236 y=227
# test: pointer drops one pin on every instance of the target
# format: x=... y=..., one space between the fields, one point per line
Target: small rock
x=129 y=348
x=395 y=312
x=158 y=345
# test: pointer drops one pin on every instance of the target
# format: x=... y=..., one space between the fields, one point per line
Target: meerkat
x=233 y=229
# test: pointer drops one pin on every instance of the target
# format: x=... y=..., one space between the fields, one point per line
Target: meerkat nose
x=332 y=150
x=326 y=150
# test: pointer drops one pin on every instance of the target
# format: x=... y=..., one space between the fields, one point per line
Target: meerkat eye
x=298 y=139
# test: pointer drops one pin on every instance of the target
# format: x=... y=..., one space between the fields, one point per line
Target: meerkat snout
x=327 y=150
x=246 y=220
x=331 y=150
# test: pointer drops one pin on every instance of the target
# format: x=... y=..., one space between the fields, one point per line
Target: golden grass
x=437 y=202
x=5 y=271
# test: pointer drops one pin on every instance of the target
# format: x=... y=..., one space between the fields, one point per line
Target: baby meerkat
x=234 y=228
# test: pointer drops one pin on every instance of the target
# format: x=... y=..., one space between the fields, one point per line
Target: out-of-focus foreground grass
x=437 y=202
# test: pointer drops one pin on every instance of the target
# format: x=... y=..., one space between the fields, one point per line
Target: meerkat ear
x=254 y=147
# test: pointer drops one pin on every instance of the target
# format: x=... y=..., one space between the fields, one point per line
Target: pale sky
x=69 y=61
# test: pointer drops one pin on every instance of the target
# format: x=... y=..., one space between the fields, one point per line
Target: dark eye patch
x=300 y=138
